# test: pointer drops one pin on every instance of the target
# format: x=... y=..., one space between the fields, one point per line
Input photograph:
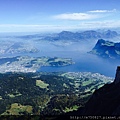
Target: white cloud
x=100 y=24
x=57 y=28
x=76 y=16
x=21 y=27
x=89 y=15
x=102 y=11
x=33 y=28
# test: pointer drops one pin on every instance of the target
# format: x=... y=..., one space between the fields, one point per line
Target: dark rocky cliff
x=106 y=100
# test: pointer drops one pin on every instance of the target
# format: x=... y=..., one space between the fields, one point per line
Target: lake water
x=84 y=62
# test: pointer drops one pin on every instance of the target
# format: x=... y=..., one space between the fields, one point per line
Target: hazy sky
x=49 y=15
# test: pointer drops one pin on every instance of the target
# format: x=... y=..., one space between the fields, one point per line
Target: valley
x=47 y=93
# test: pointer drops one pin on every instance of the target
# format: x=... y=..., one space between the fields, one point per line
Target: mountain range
x=76 y=36
x=90 y=34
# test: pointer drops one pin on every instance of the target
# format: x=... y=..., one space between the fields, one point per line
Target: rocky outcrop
x=106 y=49
x=117 y=77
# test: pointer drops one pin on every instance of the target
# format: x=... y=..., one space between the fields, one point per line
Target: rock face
x=106 y=100
x=117 y=77
x=106 y=49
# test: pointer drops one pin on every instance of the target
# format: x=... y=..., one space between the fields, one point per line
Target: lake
x=84 y=62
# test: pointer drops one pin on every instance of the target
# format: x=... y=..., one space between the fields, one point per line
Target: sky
x=58 y=15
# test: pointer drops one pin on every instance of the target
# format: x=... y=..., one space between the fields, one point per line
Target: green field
x=41 y=84
x=18 y=109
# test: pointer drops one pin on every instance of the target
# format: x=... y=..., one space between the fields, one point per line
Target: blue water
x=85 y=62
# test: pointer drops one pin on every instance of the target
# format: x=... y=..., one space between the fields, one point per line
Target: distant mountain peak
x=65 y=32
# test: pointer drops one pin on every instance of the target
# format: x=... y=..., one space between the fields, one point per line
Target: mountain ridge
x=106 y=49
x=90 y=34
x=76 y=36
